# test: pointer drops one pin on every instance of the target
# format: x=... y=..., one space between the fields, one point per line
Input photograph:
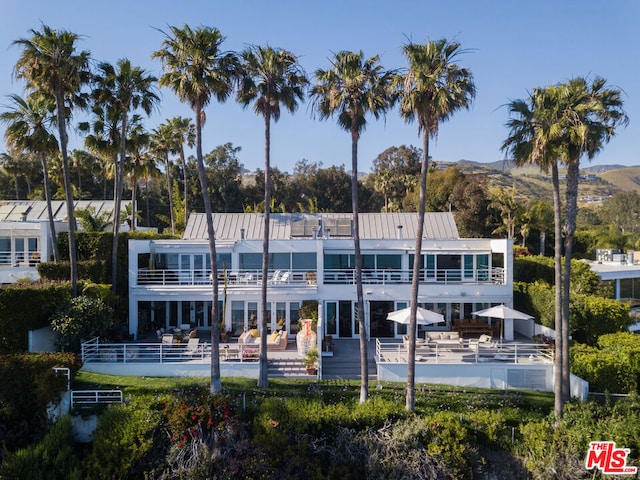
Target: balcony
x=233 y=279
x=398 y=276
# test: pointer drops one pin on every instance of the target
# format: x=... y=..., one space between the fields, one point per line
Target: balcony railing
x=93 y=351
x=13 y=259
x=148 y=276
x=395 y=276
x=245 y=278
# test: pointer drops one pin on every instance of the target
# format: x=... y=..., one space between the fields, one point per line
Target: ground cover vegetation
x=174 y=428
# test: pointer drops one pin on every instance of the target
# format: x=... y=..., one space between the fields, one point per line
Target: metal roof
x=284 y=226
x=33 y=210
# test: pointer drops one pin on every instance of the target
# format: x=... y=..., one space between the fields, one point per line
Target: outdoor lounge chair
x=167 y=338
x=192 y=347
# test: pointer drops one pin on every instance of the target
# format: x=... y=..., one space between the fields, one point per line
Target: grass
x=428 y=398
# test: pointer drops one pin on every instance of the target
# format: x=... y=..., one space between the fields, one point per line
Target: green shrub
x=28 y=385
x=27 y=307
x=93 y=270
x=593 y=316
x=53 y=457
x=124 y=437
x=605 y=372
x=82 y=318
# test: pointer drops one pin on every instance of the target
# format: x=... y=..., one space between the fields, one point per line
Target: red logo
x=609 y=459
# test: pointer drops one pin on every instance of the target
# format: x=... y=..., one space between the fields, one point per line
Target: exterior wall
x=384 y=287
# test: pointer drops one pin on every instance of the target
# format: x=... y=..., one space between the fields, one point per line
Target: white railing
x=17 y=259
x=93 y=352
x=85 y=398
x=466 y=352
x=231 y=279
x=395 y=276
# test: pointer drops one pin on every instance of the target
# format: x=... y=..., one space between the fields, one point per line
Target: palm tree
x=183 y=133
x=118 y=91
x=29 y=122
x=534 y=129
x=540 y=218
x=432 y=89
x=50 y=64
x=149 y=170
x=137 y=145
x=591 y=115
x=161 y=146
x=270 y=78
x=196 y=69
x=352 y=88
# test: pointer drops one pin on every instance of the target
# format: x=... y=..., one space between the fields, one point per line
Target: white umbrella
x=423 y=316
x=503 y=312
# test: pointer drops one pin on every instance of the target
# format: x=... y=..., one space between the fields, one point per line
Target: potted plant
x=311 y=361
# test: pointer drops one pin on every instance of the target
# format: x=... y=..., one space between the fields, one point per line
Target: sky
x=510 y=47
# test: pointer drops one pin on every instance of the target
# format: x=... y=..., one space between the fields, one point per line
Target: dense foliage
x=28 y=385
x=82 y=318
x=319 y=431
x=27 y=306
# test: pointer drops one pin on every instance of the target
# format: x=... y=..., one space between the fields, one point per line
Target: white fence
x=86 y=398
x=95 y=352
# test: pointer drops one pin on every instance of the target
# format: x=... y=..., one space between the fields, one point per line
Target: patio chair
x=167 y=338
x=192 y=347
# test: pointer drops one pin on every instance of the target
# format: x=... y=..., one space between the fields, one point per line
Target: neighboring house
x=24 y=234
x=623 y=269
x=311 y=258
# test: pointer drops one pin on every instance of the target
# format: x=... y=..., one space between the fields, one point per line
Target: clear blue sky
x=513 y=46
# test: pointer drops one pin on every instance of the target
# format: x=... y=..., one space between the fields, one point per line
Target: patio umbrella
x=503 y=312
x=423 y=316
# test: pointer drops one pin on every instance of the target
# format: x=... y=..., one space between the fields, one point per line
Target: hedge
x=28 y=385
x=94 y=270
x=27 y=307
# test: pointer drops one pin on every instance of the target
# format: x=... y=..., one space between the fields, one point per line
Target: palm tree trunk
x=415 y=279
x=119 y=179
x=543 y=237
x=62 y=131
x=134 y=200
x=558 y=386
x=146 y=199
x=263 y=374
x=47 y=196
x=185 y=188
x=216 y=385
x=170 y=187
x=360 y=314
x=571 y=195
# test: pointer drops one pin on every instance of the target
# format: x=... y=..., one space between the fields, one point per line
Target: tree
x=119 y=91
x=224 y=174
x=29 y=128
x=432 y=89
x=505 y=201
x=351 y=89
x=591 y=113
x=161 y=146
x=196 y=69
x=137 y=146
x=183 y=133
x=270 y=78
x=540 y=218
x=533 y=139
x=394 y=169
x=50 y=65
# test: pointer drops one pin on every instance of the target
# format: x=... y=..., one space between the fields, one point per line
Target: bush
x=593 y=316
x=93 y=270
x=123 y=439
x=82 y=318
x=53 y=457
x=28 y=385
x=42 y=299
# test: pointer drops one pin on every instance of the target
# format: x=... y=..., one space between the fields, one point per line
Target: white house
x=311 y=257
x=24 y=234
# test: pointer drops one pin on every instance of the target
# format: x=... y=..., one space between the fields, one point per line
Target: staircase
x=345 y=362
x=286 y=367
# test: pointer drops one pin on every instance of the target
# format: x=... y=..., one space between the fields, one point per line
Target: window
x=304 y=261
